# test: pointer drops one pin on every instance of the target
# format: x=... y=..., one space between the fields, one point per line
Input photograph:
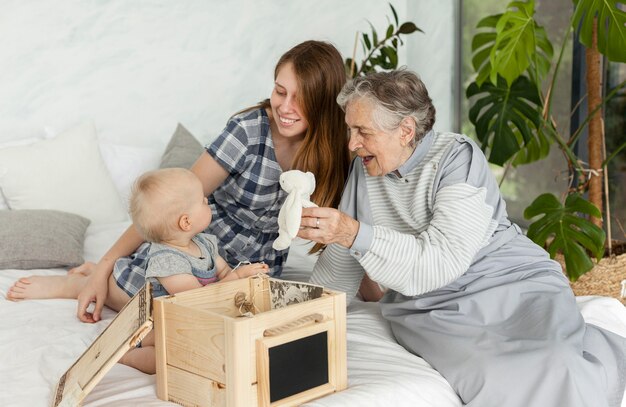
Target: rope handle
x=293 y=325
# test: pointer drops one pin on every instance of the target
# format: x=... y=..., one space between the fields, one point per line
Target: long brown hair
x=320 y=73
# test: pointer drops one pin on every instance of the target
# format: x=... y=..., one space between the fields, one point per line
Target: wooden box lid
x=126 y=330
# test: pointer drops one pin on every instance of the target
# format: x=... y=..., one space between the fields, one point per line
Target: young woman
x=299 y=127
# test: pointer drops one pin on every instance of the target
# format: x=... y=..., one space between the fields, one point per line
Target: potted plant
x=381 y=53
x=511 y=113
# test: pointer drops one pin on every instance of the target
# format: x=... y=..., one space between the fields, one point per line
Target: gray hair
x=396 y=95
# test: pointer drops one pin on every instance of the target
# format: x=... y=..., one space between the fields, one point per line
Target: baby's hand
x=252 y=270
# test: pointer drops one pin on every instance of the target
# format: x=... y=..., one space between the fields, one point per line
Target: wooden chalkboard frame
x=263 y=345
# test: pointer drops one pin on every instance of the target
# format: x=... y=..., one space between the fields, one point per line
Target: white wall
x=139 y=67
x=432 y=55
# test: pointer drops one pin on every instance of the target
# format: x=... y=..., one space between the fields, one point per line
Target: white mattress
x=39 y=341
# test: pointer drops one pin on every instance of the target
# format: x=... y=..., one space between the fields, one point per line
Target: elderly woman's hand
x=328 y=225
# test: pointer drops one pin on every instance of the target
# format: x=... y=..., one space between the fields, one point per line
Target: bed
x=40 y=339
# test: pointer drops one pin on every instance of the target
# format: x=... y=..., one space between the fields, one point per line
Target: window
x=523 y=184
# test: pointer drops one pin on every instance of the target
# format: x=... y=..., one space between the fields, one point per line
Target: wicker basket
x=604 y=279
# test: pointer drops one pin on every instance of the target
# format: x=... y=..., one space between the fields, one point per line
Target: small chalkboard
x=295 y=365
x=298 y=366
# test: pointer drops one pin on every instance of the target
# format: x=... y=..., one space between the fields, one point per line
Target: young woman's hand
x=95 y=290
x=328 y=225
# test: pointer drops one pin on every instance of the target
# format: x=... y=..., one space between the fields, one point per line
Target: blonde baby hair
x=158 y=199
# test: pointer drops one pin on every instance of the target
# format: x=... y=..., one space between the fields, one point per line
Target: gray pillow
x=34 y=238
x=182 y=151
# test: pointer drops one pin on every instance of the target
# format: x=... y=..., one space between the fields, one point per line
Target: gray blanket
x=489 y=333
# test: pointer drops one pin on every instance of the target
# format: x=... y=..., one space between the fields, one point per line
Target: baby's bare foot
x=40 y=287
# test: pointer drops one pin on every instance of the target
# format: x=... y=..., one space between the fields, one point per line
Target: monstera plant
x=510 y=98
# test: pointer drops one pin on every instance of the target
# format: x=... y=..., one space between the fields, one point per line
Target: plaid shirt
x=245 y=207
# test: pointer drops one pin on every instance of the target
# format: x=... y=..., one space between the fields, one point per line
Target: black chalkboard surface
x=298 y=366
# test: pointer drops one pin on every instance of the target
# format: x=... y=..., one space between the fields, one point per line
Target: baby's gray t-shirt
x=166 y=261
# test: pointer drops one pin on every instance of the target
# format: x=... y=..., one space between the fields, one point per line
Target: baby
x=169 y=209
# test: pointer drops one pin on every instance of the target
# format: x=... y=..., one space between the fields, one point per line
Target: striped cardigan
x=419 y=230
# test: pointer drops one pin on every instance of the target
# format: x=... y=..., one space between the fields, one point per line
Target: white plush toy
x=299 y=186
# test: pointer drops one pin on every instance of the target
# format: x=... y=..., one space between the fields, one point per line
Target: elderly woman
x=422 y=215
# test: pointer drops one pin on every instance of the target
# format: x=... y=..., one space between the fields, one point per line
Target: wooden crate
x=209 y=354
x=283 y=343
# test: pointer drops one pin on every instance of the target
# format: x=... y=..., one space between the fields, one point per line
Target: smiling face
x=381 y=151
x=286 y=110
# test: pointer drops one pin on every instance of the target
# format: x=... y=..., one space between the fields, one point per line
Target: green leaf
x=482 y=39
x=366 y=41
x=542 y=54
x=562 y=229
x=489 y=21
x=381 y=54
x=614 y=154
x=577 y=261
x=486 y=44
x=537 y=148
x=611 y=26
x=374 y=34
x=480 y=60
x=505 y=118
x=520 y=45
x=482 y=43
x=389 y=32
x=408 y=28
x=541 y=204
x=389 y=58
x=395 y=15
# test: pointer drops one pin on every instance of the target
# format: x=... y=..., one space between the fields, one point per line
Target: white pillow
x=126 y=163
x=14 y=143
x=65 y=173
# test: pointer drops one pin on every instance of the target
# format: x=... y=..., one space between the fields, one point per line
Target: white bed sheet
x=39 y=341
